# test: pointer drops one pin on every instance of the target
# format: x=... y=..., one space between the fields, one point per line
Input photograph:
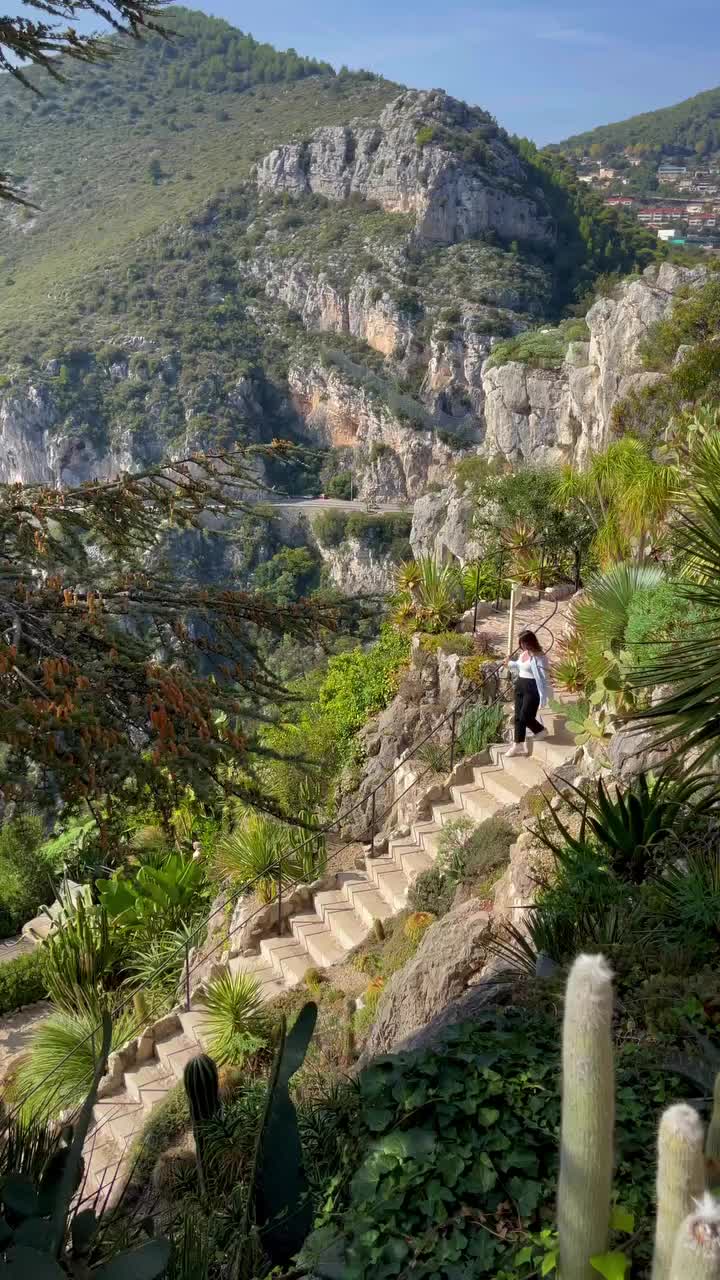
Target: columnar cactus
x=712 y=1145
x=696 y=1255
x=200 y=1078
x=588 y=1118
x=680 y=1179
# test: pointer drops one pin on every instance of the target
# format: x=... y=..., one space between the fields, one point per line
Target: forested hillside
x=693 y=125
x=117 y=150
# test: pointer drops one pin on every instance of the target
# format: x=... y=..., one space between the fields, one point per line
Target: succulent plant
x=39 y=1240
x=680 y=1179
x=202 y=1086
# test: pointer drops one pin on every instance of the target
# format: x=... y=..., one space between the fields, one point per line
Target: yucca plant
x=479 y=727
x=430 y=593
x=57 y=1071
x=627 y=495
x=236 y=1022
x=258 y=852
x=83 y=959
x=601 y=615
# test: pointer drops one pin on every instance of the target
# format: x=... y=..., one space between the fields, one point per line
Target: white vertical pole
x=515 y=591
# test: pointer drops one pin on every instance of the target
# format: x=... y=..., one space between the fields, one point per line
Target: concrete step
x=368 y=903
x=102 y=1167
x=427 y=835
x=195 y=1025
x=150 y=1076
x=479 y=804
x=295 y=968
x=126 y=1120
x=531 y=773
x=176 y=1051
x=325 y=949
x=554 y=752
x=446 y=812
x=414 y=861
x=270 y=984
x=276 y=950
x=321 y=937
x=508 y=786
x=349 y=928
x=392 y=884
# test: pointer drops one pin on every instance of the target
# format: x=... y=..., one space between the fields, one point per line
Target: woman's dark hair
x=528 y=640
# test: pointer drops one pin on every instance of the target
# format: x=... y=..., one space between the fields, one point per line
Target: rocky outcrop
x=419 y=159
x=565 y=413
x=325 y=306
x=450 y=956
x=399 y=460
x=356 y=569
x=426 y=693
x=442 y=526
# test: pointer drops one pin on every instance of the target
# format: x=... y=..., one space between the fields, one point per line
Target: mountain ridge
x=686 y=124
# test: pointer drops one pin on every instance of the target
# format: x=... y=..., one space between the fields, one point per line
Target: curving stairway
x=342 y=919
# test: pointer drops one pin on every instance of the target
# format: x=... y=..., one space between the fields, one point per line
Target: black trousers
x=527 y=701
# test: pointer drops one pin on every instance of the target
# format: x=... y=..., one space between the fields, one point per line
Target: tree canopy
x=117 y=678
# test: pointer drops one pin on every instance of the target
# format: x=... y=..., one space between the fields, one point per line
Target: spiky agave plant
x=58 y=1070
x=236 y=1024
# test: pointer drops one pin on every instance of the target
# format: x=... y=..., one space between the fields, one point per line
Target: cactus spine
x=202 y=1087
x=696 y=1255
x=588 y=1118
x=680 y=1179
x=712 y=1146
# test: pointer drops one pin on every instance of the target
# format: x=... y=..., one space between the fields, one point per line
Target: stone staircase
x=342 y=919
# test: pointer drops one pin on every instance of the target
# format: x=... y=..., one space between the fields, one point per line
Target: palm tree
x=689 y=714
x=601 y=615
x=627 y=495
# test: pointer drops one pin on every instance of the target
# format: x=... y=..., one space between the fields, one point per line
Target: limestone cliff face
x=326 y=307
x=395 y=460
x=549 y=415
x=36 y=447
x=410 y=162
x=356 y=569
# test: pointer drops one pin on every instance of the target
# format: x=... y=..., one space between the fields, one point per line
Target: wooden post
x=515 y=590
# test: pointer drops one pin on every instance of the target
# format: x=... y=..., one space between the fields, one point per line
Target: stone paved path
x=10 y=948
x=16 y=1030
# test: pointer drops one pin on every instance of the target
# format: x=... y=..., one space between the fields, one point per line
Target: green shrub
x=340 y=486
x=425 y=135
x=361 y=682
x=432 y=892
x=473 y=1130
x=330 y=527
x=449 y=641
x=25 y=874
x=479 y=727
x=158 y=898
x=21 y=982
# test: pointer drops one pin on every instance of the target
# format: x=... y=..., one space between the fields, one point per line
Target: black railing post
x=372 y=826
x=453 y=719
x=578 y=561
x=279 y=898
x=477 y=595
x=187 y=976
x=542 y=572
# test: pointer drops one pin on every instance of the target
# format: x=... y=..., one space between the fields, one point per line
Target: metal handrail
x=184 y=948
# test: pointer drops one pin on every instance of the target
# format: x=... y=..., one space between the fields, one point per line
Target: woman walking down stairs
x=341 y=919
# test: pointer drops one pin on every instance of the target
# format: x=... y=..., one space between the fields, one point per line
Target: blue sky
x=545 y=69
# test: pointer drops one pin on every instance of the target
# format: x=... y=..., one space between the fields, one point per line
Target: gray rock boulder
x=449 y=957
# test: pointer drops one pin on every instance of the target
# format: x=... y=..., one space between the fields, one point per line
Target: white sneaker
x=517 y=749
